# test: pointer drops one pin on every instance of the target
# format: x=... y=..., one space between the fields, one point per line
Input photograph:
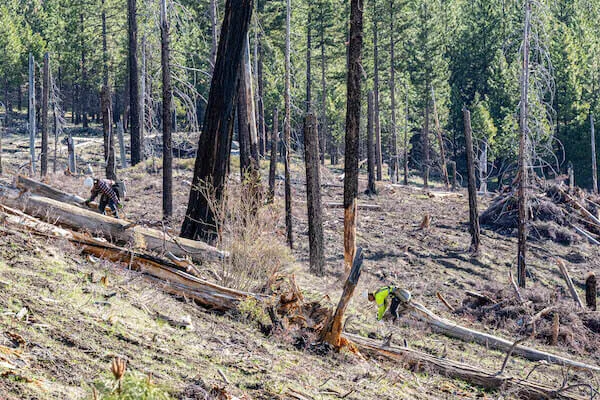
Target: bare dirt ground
x=75 y=324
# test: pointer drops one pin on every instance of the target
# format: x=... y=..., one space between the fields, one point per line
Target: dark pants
x=394 y=308
x=106 y=201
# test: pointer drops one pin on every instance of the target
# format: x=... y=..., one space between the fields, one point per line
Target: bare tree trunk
x=109 y=148
x=352 y=131
x=440 y=138
x=452 y=165
x=473 y=213
x=71 y=151
x=378 y=156
x=6 y=107
x=483 y=167
x=287 y=129
x=425 y=144
x=166 y=113
x=523 y=159
x=55 y=126
x=313 y=195
x=594 y=168
x=405 y=147
x=45 y=95
x=32 y=119
x=394 y=141
x=273 y=161
x=214 y=145
x=370 y=145
x=143 y=81
x=262 y=129
x=323 y=125
x=122 y=153
x=215 y=34
x=134 y=94
x=308 y=57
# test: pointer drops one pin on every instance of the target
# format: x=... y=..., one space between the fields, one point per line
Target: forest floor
x=81 y=312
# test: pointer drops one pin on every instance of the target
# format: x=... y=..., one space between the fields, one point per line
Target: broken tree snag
x=555 y=329
x=370 y=146
x=352 y=130
x=475 y=375
x=313 y=195
x=214 y=145
x=571 y=174
x=473 y=213
x=591 y=291
x=332 y=330
x=452 y=329
x=565 y=273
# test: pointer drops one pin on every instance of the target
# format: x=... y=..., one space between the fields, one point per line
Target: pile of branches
x=555 y=213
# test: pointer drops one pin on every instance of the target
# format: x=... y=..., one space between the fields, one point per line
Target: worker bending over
x=390 y=294
x=109 y=194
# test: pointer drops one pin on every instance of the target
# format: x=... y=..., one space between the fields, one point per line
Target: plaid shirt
x=104 y=187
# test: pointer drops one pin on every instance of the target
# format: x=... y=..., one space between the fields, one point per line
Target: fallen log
x=452 y=329
x=112 y=229
x=475 y=375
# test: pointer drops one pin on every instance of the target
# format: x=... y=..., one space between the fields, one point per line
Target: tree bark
x=122 y=153
x=84 y=79
x=109 y=147
x=214 y=24
x=214 y=145
x=273 y=160
x=45 y=95
x=523 y=159
x=483 y=166
x=287 y=130
x=134 y=94
x=425 y=144
x=594 y=167
x=452 y=165
x=370 y=145
x=32 y=119
x=55 y=126
x=473 y=213
x=378 y=155
x=323 y=125
x=405 y=147
x=308 y=57
x=262 y=129
x=394 y=141
x=313 y=195
x=166 y=114
x=440 y=138
x=352 y=131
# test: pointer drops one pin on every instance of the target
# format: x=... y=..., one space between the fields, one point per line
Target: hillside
x=65 y=315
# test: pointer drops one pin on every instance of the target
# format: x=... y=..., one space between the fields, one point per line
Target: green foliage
x=134 y=386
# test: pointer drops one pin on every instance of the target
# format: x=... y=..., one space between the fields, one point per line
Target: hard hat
x=404 y=295
x=88 y=182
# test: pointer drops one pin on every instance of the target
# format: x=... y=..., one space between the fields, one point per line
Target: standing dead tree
x=378 y=157
x=214 y=145
x=313 y=195
x=473 y=213
x=287 y=129
x=45 y=96
x=352 y=131
x=440 y=138
x=393 y=139
x=32 y=119
x=134 y=95
x=273 y=160
x=167 y=99
x=371 y=189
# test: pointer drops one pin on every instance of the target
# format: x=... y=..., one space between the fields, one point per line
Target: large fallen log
x=171 y=277
x=115 y=230
x=475 y=375
x=452 y=329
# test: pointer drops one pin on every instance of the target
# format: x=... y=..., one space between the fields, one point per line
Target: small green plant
x=253 y=311
x=133 y=386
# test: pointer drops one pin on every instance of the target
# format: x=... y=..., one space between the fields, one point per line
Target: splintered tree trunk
x=45 y=95
x=214 y=145
x=332 y=330
x=378 y=156
x=352 y=131
x=313 y=195
x=287 y=130
x=273 y=160
x=473 y=213
x=166 y=113
x=440 y=138
x=370 y=148
x=594 y=168
x=591 y=291
x=32 y=130
x=394 y=140
x=522 y=174
x=109 y=148
x=134 y=94
x=425 y=144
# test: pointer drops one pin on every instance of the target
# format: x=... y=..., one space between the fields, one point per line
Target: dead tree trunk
x=287 y=130
x=378 y=156
x=84 y=78
x=483 y=166
x=370 y=145
x=352 y=131
x=109 y=148
x=571 y=174
x=262 y=129
x=214 y=145
x=166 y=114
x=323 y=125
x=273 y=160
x=591 y=291
x=45 y=95
x=32 y=119
x=594 y=167
x=473 y=213
x=394 y=141
x=122 y=153
x=452 y=165
x=440 y=138
x=522 y=174
x=308 y=58
x=55 y=131
x=425 y=144
x=134 y=94
x=406 y=131
x=313 y=195
x=332 y=330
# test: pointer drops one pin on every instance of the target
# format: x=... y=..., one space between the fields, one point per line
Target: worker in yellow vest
x=390 y=294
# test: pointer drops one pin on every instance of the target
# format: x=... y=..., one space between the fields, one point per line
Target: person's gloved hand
x=120 y=206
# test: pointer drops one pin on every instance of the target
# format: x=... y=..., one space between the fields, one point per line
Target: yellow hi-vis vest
x=382 y=298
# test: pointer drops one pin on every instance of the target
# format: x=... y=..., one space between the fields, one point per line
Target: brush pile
x=555 y=213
